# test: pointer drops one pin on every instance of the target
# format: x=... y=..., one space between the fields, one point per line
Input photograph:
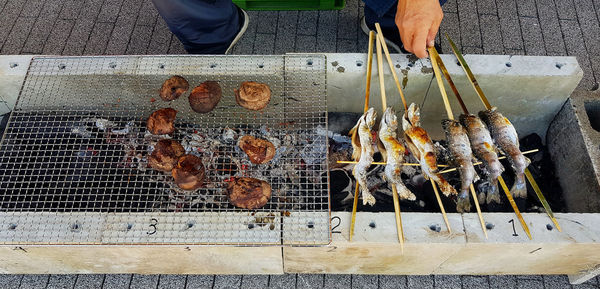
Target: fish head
x=413 y=114
x=389 y=119
x=370 y=117
x=467 y=119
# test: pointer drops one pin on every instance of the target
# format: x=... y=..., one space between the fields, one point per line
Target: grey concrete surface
x=95 y=27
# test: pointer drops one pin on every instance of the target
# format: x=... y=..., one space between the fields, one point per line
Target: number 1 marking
x=513 y=224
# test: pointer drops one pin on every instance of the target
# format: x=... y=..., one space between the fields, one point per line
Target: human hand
x=418 y=22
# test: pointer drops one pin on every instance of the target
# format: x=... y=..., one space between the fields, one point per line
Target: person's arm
x=418 y=22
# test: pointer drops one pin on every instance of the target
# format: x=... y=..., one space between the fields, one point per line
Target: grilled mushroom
x=259 y=150
x=161 y=121
x=253 y=95
x=189 y=172
x=205 y=97
x=165 y=155
x=248 y=193
x=173 y=88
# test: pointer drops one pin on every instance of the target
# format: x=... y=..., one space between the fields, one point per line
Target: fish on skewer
x=462 y=156
x=485 y=150
x=507 y=140
x=363 y=152
x=422 y=148
x=393 y=153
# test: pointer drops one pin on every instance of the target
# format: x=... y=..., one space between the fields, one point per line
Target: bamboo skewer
x=439 y=200
x=379 y=42
x=437 y=62
x=391 y=64
x=487 y=105
x=367 y=94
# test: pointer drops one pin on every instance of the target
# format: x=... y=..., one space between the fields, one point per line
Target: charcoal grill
x=73 y=158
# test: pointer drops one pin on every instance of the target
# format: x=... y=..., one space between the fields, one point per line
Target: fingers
x=433 y=30
x=418 y=43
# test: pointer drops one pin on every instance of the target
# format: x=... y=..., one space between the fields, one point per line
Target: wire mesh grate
x=73 y=158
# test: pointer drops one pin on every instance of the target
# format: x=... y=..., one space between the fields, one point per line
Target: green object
x=290 y=4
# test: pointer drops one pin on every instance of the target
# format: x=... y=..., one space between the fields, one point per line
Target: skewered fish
x=422 y=148
x=363 y=152
x=462 y=155
x=485 y=150
x=393 y=153
x=505 y=136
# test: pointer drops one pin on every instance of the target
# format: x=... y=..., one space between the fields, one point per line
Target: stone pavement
x=96 y=27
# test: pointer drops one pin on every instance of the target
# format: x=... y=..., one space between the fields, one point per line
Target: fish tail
x=368 y=198
x=519 y=188
x=463 y=203
x=493 y=195
x=404 y=193
x=446 y=187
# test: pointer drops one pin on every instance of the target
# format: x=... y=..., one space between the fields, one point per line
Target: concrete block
x=55 y=43
x=143 y=281
x=200 y=281
x=62 y=281
x=575 y=135
x=227 y=281
x=171 y=282
x=91 y=281
x=255 y=281
x=12 y=74
x=284 y=281
x=34 y=281
x=117 y=281
x=367 y=282
x=532 y=35
x=400 y=282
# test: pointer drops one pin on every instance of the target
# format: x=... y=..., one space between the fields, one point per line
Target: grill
x=73 y=158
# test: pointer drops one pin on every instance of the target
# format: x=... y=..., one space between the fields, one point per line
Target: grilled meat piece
x=248 y=193
x=253 y=95
x=259 y=150
x=485 y=150
x=393 y=153
x=363 y=152
x=189 y=172
x=165 y=155
x=173 y=88
x=161 y=121
x=505 y=136
x=422 y=148
x=205 y=97
x=462 y=156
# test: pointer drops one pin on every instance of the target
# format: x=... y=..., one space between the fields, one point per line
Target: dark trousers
x=203 y=26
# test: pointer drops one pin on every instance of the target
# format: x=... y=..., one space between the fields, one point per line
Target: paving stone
x=55 y=43
x=472 y=50
x=487 y=7
x=573 y=36
x=110 y=11
x=82 y=28
x=450 y=25
x=143 y=281
x=509 y=24
x=306 y=22
x=17 y=37
x=362 y=42
x=160 y=39
x=566 y=9
x=34 y=281
x=346 y=45
x=284 y=281
x=139 y=40
x=123 y=27
x=514 y=52
x=310 y=281
x=365 y=281
x=556 y=281
x=425 y=281
x=42 y=27
x=255 y=281
x=326 y=31
x=550 y=26
x=450 y=6
x=98 y=40
x=532 y=35
x=475 y=282
x=470 y=34
x=588 y=21
x=527 y=8
x=89 y=281
x=148 y=14
x=447 y=281
x=2 y=4
x=306 y=43
x=171 y=281
x=400 y=282
x=227 y=281
x=32 y=8
x=61 y=281
x=245 y=45
x=348 y=21
x=117 y=281
x=8 y=17
x=200 y=281
x=176 y=47
x=338 y=281
x=70 y=9
x=595 y=61
x=10 y=281
x=490 y=30
x=264 y=43
x=530 y=283
x=285 y=38
x=267 y=22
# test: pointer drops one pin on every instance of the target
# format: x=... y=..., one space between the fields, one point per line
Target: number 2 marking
x=513 y=225
x=338 y=224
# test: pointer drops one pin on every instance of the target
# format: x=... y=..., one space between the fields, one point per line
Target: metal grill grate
x=73 y=158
